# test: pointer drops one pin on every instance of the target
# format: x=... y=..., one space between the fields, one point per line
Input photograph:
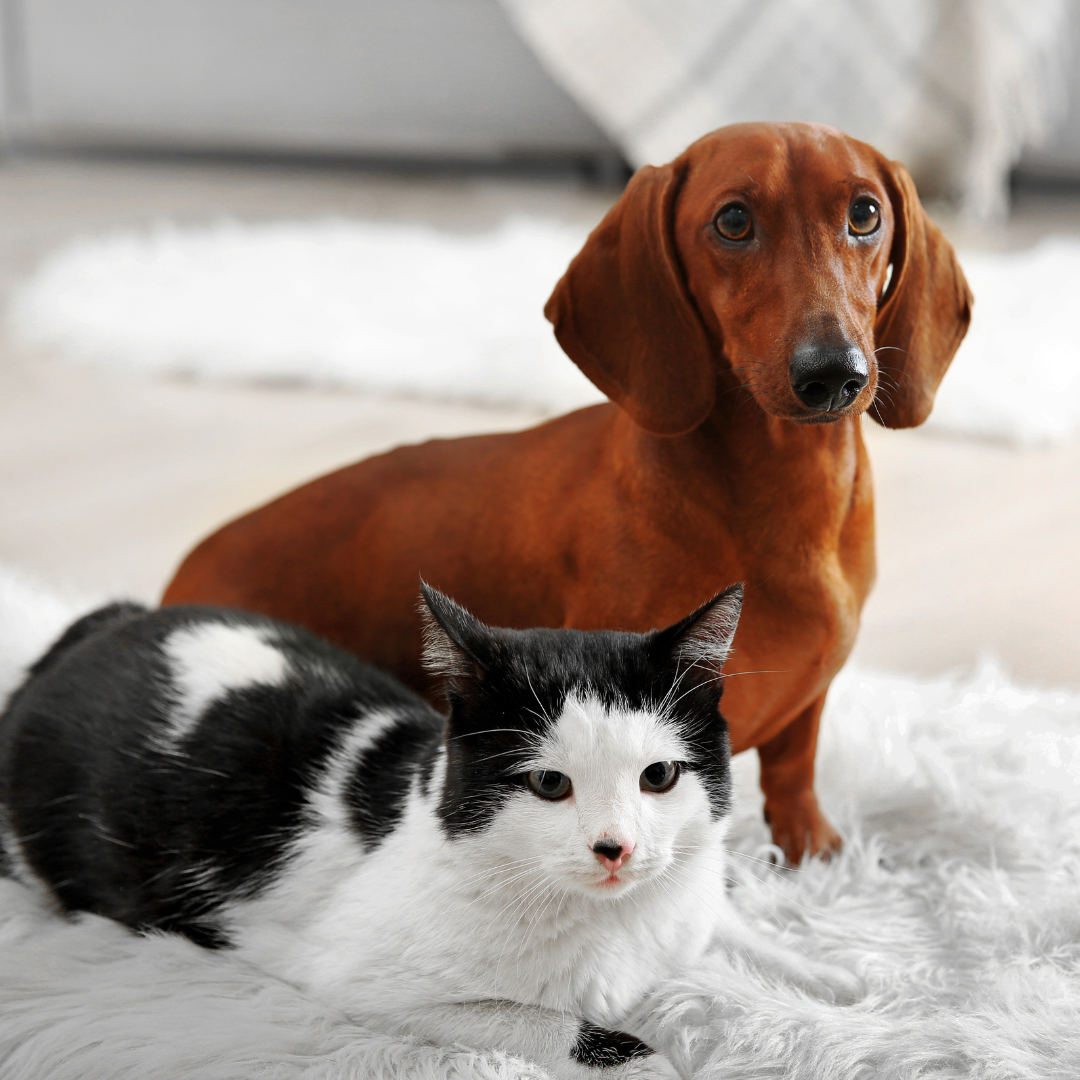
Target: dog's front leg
x=787 y=778
x=563 y=1045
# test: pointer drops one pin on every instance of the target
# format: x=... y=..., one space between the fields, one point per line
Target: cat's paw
x=653 y=1067
x=601 y=1054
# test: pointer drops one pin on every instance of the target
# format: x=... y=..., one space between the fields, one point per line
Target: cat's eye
x=864 y=217
x=548 y=784
x=734 y=222
x=659 y=776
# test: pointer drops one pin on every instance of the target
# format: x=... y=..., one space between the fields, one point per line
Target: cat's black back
x=122 y=819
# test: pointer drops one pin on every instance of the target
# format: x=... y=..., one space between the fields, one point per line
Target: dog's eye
x=734 y=222
x=659 y=776
x=864 y=217
x=549 y=785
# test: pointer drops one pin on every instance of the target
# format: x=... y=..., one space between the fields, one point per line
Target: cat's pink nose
x=612 y=853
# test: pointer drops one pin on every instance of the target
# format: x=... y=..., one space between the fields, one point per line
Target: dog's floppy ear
x=925 y=312
x=622 y=311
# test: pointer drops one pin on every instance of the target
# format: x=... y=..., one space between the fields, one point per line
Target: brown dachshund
x=741 y=307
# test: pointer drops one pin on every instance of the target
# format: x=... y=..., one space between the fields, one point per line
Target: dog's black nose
x=828 y=378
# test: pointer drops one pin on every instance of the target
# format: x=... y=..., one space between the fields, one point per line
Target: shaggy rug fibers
x=956 y=898
x=409 y=309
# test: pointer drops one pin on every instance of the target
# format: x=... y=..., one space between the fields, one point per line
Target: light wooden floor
x=106 y=480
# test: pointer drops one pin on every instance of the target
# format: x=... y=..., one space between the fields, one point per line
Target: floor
x=107 y=480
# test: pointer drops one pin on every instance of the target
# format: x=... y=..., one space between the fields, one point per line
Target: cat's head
x=598 y=759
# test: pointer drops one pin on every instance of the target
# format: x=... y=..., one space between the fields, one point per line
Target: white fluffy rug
x=408 y=309
x=393 y=308
x=957 y=898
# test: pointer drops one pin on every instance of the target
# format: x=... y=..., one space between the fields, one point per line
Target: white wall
x=1059 y=156
x=430 y=78
x=427 y=77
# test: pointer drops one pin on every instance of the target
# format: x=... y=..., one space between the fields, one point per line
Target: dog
x=741 y=307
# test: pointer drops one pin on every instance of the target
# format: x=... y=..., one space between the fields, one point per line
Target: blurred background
x=243 y=242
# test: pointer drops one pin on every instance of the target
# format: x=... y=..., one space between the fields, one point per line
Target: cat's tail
x=110 y=615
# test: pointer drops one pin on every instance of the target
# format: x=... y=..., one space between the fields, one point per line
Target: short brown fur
x=705 y=469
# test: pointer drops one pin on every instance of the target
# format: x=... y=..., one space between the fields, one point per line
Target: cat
x=515 y=876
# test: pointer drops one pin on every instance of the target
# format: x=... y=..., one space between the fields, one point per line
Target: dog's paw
x=799 y=828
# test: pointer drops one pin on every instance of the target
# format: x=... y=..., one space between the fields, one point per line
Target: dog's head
x=789 y=254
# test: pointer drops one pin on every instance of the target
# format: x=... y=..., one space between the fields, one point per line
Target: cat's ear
x=453 y=639
x=703 y=639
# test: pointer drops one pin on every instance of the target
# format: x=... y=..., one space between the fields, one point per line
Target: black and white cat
x=516 y=876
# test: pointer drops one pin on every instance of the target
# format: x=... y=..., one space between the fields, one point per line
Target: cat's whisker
x=713 y=677
x=486 y=731
x=502 y=866
x=516 y=752
x=777 y=870
x=538 y=715
x=686 y=693
x=712 y=904
x=676 y=683
x=522 y=898
x=775 y=873
x=500 y=885
x=778 y=873
x=521 y=911
x=543 y=712
x=532 y=896
x=558 y=911
x=486 y=876
x=541 y=902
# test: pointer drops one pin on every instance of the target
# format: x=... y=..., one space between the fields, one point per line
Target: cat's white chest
x=603 y=965
x=567 y=953
x=439 y=932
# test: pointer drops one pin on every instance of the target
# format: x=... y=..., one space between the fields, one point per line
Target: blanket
x=953 y=90
x=955 y=898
